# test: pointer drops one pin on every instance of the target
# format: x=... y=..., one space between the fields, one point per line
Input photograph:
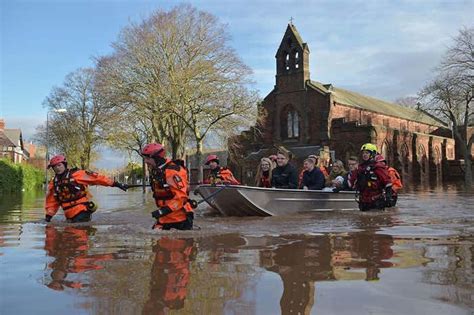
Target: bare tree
x=450 y=94
x=408 y=101
x=87 y=119
x=176 y=68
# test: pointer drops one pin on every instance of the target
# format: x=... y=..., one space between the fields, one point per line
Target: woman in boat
x=336 y=170
x=284 y=175
x=264 y=173
x=313 y=178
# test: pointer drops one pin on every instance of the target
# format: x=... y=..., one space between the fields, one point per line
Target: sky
x=384 y=49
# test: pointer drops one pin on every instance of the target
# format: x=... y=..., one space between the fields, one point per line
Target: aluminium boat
x=255 y=201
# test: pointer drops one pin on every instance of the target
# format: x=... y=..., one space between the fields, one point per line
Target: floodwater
x=417 y=258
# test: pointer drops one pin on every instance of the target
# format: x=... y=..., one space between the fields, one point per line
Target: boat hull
x=255 y=201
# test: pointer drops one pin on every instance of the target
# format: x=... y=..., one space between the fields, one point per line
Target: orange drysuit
x=221 y=175
x=170 y=190
x=69 y=191
x=396 y=180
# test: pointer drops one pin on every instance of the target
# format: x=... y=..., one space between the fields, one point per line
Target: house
x=11 y=144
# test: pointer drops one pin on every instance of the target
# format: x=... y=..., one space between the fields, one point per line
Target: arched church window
x=297 y=60
x=287 y=61
x=291 y=127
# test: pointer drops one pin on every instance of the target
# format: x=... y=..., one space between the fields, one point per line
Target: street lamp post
x=59 y=110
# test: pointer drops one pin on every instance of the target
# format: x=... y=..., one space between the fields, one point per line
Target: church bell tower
x=292 y=61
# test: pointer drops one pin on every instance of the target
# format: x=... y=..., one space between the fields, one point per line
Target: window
x=293 y=125
x=287 y=61
x=297 y=60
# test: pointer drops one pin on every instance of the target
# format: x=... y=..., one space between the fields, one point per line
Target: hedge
x=18 y=177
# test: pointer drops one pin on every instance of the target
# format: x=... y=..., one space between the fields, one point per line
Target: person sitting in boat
x=264 y=173
x=336 y=170
x=313 y=178
x=372 y=181
x=219 y=175
x=353 y=164
x=394 y=176
x=68 y=190
x=169 y=183
x=284 y=175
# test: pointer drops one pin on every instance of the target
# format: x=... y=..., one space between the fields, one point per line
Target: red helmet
x=210 y=158
x=379 y=158
x=153 y=149
x=55 y=160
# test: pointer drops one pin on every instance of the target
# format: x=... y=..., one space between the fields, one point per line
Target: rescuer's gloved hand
x=388 y=196
x=161 y=212
x=48 y=218
x=124 y=187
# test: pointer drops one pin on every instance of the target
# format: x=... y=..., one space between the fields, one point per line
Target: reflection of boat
x=255 y=201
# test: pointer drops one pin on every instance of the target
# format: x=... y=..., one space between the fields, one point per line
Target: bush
x=16 y=177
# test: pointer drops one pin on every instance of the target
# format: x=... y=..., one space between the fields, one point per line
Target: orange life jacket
x=170 y=189
x=396 y=180
x=67 y=191
x=222 y=175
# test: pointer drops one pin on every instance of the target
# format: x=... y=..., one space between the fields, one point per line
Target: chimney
x=2 y=124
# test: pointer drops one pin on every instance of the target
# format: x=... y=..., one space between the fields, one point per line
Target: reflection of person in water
x=169 y=275
x=69 y=247
x=299 y=265
x=372 y=250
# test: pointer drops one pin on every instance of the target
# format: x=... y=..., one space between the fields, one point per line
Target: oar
x=148 y=185
x=195 y=204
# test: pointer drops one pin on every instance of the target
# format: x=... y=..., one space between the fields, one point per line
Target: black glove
x=161 y=212
x=124 y=187
x=388 y=196
x=48 y=218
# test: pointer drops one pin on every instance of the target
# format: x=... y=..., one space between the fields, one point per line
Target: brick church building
x=309 y=117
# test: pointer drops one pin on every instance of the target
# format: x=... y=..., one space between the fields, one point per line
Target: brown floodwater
x=417 y=258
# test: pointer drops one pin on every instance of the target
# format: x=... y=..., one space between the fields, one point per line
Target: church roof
x=297 y=35
x=353 y=99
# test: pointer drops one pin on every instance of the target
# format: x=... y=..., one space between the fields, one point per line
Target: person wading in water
x=68 y=190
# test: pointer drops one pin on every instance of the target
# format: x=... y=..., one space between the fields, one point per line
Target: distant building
x=304 y=116
x=11 y=144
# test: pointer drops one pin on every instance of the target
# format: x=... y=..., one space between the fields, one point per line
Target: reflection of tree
x=69 y=248
x=169 y=275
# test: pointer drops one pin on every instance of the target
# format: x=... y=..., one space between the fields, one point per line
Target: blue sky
x=385 y=49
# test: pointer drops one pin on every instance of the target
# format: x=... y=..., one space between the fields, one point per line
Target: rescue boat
x=255 y=201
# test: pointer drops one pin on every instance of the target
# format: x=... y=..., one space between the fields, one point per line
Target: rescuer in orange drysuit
x=68 y=190
x=169 y=183
x=218 y=174
x=394 y=176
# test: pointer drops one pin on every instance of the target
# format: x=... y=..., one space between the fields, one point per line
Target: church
x=309 y=117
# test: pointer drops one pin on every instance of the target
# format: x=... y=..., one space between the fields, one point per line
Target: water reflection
x=69 y=248
x=306 y=260
x=169 y=275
